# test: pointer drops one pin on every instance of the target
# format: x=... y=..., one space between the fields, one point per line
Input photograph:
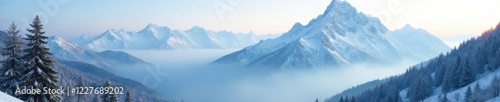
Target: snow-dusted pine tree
x=495 y=86
x=444 y=98
x=468 y=95
x=39 y=73
x=109 y=97
x=128 y=98
x=452 y=76
x=419 y=90
x=81 y=97
x=478 y=94
x=12 y=66
x=466 y=77
x=139 y=98
x=97 y=98
x=69 y=97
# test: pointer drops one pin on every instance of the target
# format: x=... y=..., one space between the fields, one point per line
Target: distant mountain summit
x=117 y=62
x=340 y=36
x=164 y=38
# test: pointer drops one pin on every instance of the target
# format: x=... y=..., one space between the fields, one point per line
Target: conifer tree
x=466 y=76
x=128 y=98
x=39 y=73
x=477 y=93
x=316 y=100
x=352 y=99
x=468 y=95
x=495 y=86
x=81 y=97
x=109 y=97
x=12 y=66
x=97 y=98
x=444 y=98
x=452 y=76
x=346 y=99
x=419 y=90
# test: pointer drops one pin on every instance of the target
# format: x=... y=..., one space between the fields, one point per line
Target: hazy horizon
x=70 y=18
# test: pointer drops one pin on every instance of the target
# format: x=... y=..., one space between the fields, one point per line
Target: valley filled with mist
x=191 y=78
x=342 y=54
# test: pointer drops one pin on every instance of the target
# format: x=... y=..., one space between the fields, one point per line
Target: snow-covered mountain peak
x=109 y=34
x=407 y=29
x=340 y=36
x=60 y=48
x=60 y=42
x=297 y=27
x=151 y=25
x=341 y=17
x=154 y=31
x=56 y=38
x=196 y=29
x=153 y=28
x=85 y=36
x=339 y=5
x=158 y=37
x=408 y=26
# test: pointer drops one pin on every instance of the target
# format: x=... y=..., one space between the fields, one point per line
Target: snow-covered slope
x=458 y=94
x=156 y=37
x=475 y=65
x=117 y=62
x=419 y=42
x=7 y=98
x=340 y=36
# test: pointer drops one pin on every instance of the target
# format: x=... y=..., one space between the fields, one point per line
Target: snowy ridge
x=117 y=62
x=426 y=42
x=340 y=36
x=164 y=38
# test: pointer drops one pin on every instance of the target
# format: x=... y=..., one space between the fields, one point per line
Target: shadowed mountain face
x=340 y=36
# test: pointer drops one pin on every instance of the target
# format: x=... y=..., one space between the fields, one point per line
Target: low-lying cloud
x=229 y=84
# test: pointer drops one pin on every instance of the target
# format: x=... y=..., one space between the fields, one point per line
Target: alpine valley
x=340 y=48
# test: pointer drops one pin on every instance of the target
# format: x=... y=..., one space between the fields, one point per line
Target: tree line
x=28 y=62
x=458 y=69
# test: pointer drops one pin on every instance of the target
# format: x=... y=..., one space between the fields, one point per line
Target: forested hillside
x=456 y=72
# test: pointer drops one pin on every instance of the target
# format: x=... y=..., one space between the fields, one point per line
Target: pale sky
x=70 y=18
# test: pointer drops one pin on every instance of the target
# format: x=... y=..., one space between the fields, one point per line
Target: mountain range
x=95 y=68
x=469 y=73
x=164 y=38
x=117 y=62
x=340 y=36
